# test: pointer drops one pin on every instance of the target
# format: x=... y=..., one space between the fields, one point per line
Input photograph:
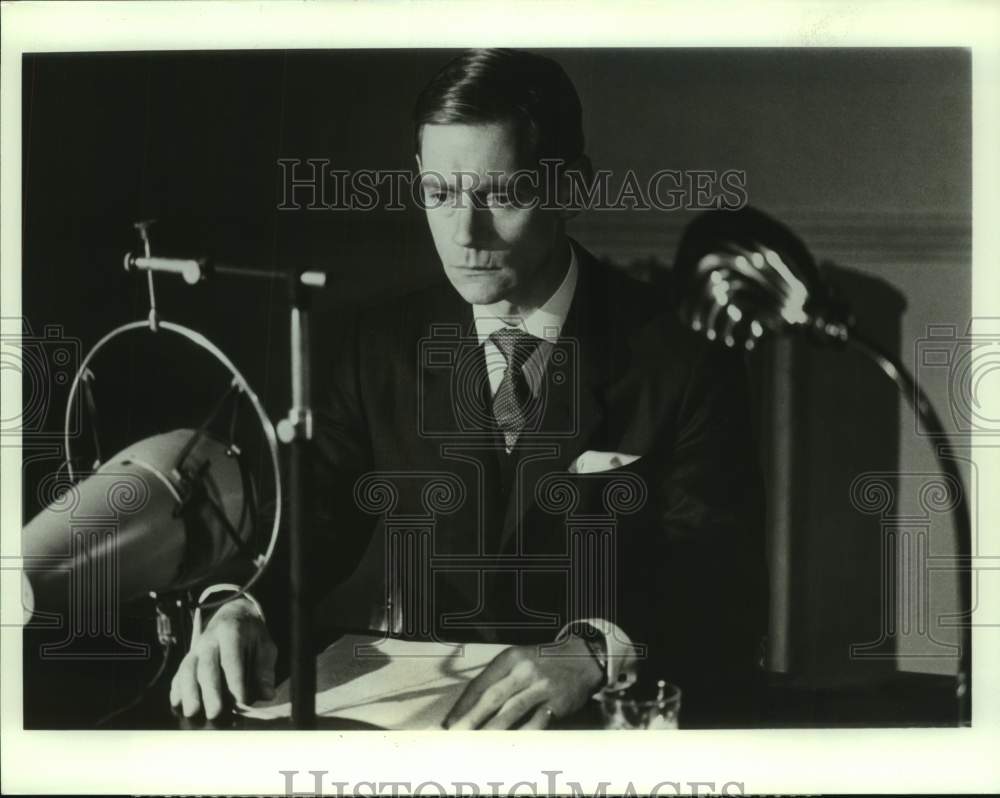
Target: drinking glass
x=644 y=705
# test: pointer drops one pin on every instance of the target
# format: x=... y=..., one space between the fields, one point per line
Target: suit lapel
x=461 y=438
x=449 y=371
x=589 y=337
x=587 y=359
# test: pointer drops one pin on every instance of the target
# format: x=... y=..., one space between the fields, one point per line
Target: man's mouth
x=481 y=261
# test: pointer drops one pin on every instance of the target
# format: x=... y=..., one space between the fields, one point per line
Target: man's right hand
x=233 y=658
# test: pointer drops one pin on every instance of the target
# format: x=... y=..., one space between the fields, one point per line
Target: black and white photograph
x=623 y=395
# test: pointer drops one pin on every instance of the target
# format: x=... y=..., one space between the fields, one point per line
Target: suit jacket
x=425 y=526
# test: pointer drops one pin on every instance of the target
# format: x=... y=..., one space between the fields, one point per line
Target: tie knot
x=515 y=344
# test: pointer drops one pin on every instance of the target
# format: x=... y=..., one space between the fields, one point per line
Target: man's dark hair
x=482 y=86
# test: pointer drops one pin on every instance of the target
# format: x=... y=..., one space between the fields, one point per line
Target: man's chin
x=480 y=290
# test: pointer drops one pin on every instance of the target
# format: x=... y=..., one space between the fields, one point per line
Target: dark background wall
x=866 y=153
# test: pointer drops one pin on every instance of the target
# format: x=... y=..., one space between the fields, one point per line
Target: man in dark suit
x=533 y=452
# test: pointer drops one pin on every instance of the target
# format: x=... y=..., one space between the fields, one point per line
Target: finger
x=494 y=697
x=518 y=707
x=190 y=694
x=232 y=658
x=175 y=688
x=210 y=682
x=542 y=717
x=494 y=672
x=266 y=659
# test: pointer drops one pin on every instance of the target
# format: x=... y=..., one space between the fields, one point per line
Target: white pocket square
x=591 y=462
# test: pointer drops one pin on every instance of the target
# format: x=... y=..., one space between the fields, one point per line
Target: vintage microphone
x=295 y=430
x=179 y=505
x=741 y=275
x=156 y=517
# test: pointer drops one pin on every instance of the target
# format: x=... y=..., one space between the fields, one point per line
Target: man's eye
x=437 y=196
x=500 y=199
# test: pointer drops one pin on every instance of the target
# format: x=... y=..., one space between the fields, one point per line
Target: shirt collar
x=545 y=322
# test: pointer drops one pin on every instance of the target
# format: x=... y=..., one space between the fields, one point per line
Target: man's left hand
x=525 y=688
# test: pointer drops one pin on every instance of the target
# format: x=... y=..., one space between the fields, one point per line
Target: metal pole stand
x=297 y=431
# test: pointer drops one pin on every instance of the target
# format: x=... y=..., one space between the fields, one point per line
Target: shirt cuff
x=620 y=670
x=211 y=590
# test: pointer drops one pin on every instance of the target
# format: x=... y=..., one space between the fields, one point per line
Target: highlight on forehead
x=522 y=133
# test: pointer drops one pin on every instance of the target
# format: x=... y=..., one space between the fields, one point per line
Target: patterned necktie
x=511 y=404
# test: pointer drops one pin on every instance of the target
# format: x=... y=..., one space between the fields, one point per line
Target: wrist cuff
x=211 y=590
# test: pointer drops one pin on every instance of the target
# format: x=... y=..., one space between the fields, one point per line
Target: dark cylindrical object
x=296 y=430
x=303 y=663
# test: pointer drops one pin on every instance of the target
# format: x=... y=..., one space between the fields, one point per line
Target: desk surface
x=63 y=694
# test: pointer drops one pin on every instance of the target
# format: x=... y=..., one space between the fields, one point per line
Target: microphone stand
x=295 y=430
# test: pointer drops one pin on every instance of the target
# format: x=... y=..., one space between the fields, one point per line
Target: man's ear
x=578 y=173
x=420 y=165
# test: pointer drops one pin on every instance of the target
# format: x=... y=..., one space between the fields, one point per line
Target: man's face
x=491 y=249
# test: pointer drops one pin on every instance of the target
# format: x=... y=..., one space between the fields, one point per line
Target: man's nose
x=473 y=223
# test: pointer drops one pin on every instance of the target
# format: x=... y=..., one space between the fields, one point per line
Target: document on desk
x=394 y=684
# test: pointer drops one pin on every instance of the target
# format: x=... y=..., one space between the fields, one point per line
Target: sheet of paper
x=394 y=684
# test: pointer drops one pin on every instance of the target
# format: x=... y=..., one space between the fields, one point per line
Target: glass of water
x=644 y=705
